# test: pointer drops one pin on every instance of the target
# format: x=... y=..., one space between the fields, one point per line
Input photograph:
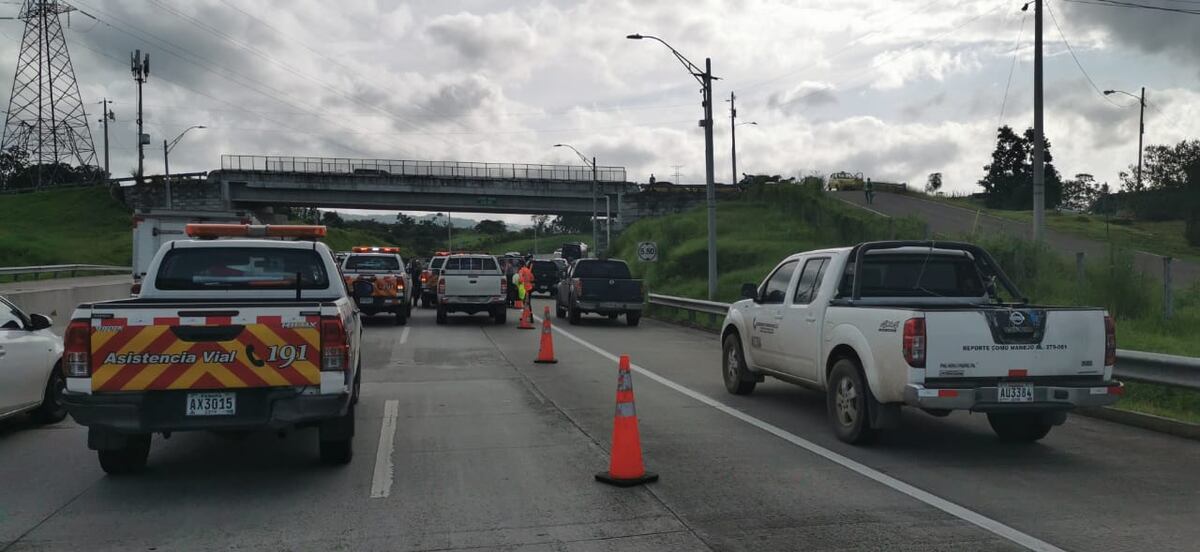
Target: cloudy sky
x=893 y=89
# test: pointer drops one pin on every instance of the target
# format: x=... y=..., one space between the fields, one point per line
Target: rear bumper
x=985 y=398
x=606 y=307
x=473 y=305
x=381 y=304
x=156 y=411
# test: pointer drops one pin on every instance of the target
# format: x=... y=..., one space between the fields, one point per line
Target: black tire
x=846 y=403
x=441 y=315
x=1020 y=427
x=573 y=315
x=632 y=318
x=356 y=389
x=500 y=315
x=128 y=459
x=339 y=451
x=738 y=379
x=401 y=317
x=52 y=410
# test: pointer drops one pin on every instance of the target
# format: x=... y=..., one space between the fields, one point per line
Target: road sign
x=647 y=252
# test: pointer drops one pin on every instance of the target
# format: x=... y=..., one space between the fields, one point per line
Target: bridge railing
x=1172 y=370
x=16 y=272
x=441 y=169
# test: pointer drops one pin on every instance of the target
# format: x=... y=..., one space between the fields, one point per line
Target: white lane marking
x=970 y=516
x=381 y=482
x=404 y=335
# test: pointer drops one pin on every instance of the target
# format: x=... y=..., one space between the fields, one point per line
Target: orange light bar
x=374 y=249
x=254 y=231
x=442 y=254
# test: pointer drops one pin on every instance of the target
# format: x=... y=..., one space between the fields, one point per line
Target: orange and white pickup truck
x=378 y=282
x=225 y=334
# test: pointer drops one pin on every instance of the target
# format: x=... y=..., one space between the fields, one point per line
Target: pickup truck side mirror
x=750 y=291
x=39 y=322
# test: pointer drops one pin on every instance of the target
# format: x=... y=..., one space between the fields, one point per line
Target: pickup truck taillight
x=504 y=286
x=1110 y=341
x=335 y=346
x=424 y=277
x=914 y=342
x=441 y=286
x=578 y=287
x=77 y=344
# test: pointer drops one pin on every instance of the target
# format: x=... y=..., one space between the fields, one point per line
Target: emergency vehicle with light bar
x=430 y=277
x=378 y=282
x=239 y=333
x=933 y=325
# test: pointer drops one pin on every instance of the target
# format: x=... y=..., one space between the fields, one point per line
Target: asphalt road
x=490 y=451
x=949 y=220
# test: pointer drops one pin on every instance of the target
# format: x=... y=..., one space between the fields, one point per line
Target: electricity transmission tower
x=46 y=120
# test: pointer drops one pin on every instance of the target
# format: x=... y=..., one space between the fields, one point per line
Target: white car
x=30 y=379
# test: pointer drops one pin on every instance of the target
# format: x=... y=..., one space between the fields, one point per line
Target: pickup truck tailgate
x=474 y=284
x=177 y=347
x=611 y=290
x=1027 y=342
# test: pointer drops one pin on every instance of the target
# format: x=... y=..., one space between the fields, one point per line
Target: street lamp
x=595 y=180
x=1141 y=125
x=705 y=78
x=449 y=226
x=167 y=147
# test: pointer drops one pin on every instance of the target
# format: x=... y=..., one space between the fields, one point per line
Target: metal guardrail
x=444 y=169
x=71 y=269
x=1157 y=368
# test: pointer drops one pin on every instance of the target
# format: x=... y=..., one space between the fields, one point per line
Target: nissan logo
x=1016 y=318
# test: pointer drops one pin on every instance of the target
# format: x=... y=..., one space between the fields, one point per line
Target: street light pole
x=1141 y=126
x=167 y=147
x=595 y=184
x=705 y=78
x=1039 y=144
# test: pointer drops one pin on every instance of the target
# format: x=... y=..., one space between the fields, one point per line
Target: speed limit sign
x=647 y=252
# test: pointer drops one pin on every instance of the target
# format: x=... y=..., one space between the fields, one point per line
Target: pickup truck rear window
x=372 y=262
x=915 y=276
x=544 y=267
x=204 y=268
x=613 y=270
x=477 y=264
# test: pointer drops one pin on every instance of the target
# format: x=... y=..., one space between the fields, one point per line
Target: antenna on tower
x=46 y=122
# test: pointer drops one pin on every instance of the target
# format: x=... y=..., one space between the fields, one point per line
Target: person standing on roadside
x=869 y=189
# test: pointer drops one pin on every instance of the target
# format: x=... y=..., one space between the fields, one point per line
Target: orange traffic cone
x=526 y=318
x=625 y=468
x=519 y=304
x=546 y=349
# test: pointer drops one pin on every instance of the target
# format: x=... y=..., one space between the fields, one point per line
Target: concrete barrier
x=59 y=301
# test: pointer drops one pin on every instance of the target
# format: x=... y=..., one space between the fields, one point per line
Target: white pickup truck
x=225 y=335
x=472 y=283
x=923 y=324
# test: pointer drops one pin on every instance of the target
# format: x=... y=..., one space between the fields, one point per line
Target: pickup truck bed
x=603 y=287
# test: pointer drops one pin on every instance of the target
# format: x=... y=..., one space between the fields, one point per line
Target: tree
x=934 y=183
x=491 y=227
x=1008 y=182
x=1163 y=167
x=1081 y=192
x=572 y=224
x=332 y=218
x=1192 y=193
x=541 y=222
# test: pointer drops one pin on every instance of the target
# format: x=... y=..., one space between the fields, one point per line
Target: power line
x=1077 y=63
x=1011 y=69
x=1133 y=5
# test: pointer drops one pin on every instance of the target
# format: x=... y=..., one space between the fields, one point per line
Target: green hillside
x=80 y=225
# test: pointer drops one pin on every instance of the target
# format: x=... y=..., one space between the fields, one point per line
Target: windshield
x=196 y=268
x=615 y=270
x=373 y=262
x=915 y=276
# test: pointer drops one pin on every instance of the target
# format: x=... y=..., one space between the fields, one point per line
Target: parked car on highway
x=472 y=283
x=922 y=324
x=227 y=334
x=545 y=276
x=601 y=286
x=378 y=281
x=30 y=379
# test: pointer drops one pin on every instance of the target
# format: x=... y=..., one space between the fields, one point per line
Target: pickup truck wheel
x=401 y=317
x=339 y=450
x=1025 y=427
x=128 y=459
x=738 y=380
x=357 y=388
x=573 y=315
x=633 y=318
x=441 y=315
x=500 y=315
x=846 y=403
x=52 y=409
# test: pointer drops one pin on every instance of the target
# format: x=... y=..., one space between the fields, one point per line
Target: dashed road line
x=404 y=335
x=381 y=481
x=995 y=527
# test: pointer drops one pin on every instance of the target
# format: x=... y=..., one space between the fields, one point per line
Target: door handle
x=810 y=318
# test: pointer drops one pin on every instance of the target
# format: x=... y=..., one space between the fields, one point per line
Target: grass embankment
x=758 y=231
x=80 y=225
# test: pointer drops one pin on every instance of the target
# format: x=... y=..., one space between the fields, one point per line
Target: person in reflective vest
x=526 y=279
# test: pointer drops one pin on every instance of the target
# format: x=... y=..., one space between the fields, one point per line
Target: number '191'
x=285 y=355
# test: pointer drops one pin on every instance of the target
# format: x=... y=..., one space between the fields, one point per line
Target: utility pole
x=733 y=137
x=1039 y=142
x=106 y=115
x=1141 y=132
x=595 y=182
x=710 y=186
x=140 y=66
x=676 y=175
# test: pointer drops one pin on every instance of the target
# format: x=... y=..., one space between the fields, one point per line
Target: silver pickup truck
x=472 y=284
x=932 y=325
